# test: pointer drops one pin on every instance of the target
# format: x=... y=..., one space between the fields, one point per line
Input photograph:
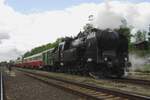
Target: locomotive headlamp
x=89 y=60
x=105 y=58
x=125 y=58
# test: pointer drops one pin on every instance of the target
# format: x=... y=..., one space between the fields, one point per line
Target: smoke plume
x=107 y=17
x=137 y=62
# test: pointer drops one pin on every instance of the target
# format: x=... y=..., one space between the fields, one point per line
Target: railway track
x=86 y=90
x=132 y=81
x=127 y=80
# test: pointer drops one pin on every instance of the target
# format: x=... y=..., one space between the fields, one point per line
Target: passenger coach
x=38 y=61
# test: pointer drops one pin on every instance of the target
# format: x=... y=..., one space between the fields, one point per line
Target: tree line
x=139 y=36
x=42 y=48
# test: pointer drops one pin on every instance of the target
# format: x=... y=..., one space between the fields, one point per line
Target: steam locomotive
x=94 y=51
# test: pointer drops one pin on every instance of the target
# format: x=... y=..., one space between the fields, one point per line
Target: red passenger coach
x=18 y=63
x=34 y=61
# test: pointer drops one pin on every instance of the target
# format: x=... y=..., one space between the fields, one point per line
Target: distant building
x=142 y=45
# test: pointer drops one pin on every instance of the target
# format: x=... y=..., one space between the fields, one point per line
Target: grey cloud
x=10 y=55
x=3 y=36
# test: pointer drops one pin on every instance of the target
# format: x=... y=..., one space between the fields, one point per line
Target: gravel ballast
x=21 y=87
x=134 y=88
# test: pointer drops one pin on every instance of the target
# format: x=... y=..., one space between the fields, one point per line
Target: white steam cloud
x=137 y=62
x=111 y=13
x=107 y=17
x=26 y=31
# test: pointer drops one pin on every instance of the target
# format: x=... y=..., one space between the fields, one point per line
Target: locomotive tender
x=94 y=51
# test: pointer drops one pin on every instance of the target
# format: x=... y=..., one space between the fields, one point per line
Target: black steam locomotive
x=95 y=52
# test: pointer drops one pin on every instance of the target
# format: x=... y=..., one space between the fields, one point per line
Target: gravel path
x=21 y=87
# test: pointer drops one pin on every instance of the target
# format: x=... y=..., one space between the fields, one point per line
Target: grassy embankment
x=143 y=55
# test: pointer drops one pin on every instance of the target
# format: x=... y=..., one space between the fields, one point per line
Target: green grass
x=145 y=69
x=140 y=53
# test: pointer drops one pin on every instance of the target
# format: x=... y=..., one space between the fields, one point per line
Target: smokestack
x=91 y=18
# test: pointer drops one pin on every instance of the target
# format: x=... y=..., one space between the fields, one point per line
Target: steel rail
x=2 y=98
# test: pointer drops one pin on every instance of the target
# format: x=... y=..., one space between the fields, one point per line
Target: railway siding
x=137 y=88
x=102 y=89
x=21 y=87
x=133 y=81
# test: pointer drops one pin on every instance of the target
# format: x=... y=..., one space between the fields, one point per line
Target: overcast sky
x=25 y=24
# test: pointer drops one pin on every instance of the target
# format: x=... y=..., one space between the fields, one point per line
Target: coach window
x=36 y=58
x=40 y=57
x=67 y=45
x=60 y=47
